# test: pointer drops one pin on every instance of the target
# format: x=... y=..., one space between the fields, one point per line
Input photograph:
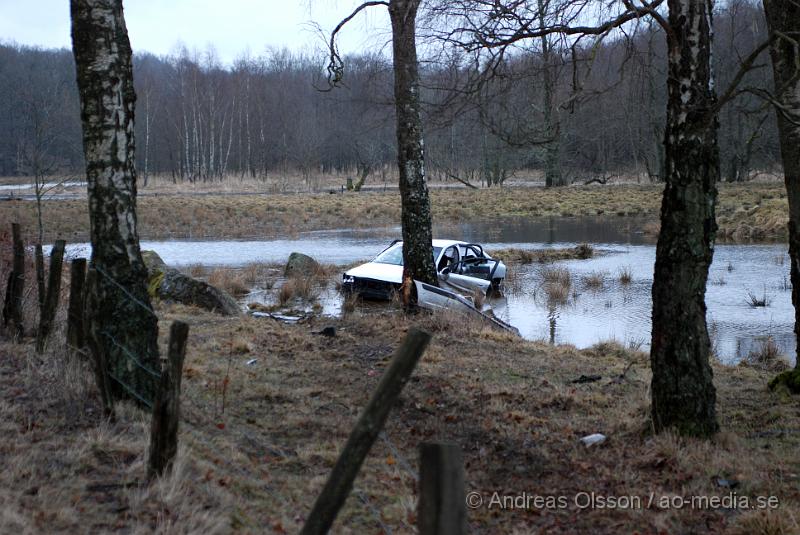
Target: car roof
x=438 y=243
x=446 y=243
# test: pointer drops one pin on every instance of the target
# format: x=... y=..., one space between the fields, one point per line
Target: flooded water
x=47 y=185
x=590 y=313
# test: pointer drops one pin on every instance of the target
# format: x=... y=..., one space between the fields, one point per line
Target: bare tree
x=552 y=167
x=783 y=20
x=122 y=327
x=683 y=394
x=265 y=106
x=682 y=390
x=415 y=200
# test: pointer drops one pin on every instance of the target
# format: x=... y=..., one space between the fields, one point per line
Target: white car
x=461 y=266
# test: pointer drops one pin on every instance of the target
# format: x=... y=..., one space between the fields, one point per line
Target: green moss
x=788 y=380
x=154 y=282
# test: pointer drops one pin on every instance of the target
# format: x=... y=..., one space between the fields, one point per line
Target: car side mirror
x=445 y=271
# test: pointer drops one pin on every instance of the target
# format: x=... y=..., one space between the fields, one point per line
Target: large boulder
x=300 y=265
x=171 y=285
x=152 y=261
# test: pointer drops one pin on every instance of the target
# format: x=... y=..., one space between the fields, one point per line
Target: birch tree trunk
x=121 y=324
x=783 y=21
x=416 y=205
x=683 y=393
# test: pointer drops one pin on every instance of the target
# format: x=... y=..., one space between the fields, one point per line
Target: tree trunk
x=146 y=136
x=121 y=325
x=783 y=18
x=683 y=393
x=416 y=205
x=552 y=165
x=363 y=173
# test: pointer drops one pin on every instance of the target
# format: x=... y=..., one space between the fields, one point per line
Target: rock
x=328 y=331
x=175 y=286
x=725 y=482
x=595 y=438
x=788 y=382
x=152 y=261
x=586 y=379
x=171 y=285
x=300 y=264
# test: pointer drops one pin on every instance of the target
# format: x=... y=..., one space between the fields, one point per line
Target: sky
x=232 y=27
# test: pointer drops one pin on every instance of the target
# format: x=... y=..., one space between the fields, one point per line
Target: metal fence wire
x=126 y=351
x=196 y=417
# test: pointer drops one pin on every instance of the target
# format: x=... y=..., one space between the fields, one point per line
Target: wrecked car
x=461 y=266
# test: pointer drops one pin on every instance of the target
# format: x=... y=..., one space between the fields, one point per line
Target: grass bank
x=753 y=211
x=267 y=407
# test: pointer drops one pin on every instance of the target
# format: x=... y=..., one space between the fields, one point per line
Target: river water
x=590 y=314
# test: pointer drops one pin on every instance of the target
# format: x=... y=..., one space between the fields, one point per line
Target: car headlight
x=348 y=279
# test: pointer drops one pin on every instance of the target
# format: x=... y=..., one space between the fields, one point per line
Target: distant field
x=752 y=211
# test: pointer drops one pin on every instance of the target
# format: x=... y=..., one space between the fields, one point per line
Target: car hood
x=378 y=271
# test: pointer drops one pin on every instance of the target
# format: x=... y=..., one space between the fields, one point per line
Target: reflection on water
x=592 y=312
x=622 y=311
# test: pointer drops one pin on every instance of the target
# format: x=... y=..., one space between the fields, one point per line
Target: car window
x=394 y=255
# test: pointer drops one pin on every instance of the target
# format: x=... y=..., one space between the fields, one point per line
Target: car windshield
x=394 y=255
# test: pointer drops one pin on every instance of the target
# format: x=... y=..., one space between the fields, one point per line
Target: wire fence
x=197 y=414
x=124 y=350
x=200 y=417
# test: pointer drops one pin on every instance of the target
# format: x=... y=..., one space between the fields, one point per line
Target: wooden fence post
x=97 y=353
x=12 y=308
x=76 y=336
x=441 y=509
x=363 y=435
x=40 y=288
x=48 y=312
x=166 y=407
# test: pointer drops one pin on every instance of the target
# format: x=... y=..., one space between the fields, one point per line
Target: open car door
x=467 y=269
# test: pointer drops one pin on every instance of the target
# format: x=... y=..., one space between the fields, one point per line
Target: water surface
x=615 y=311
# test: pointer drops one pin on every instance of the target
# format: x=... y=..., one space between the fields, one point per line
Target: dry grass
x=756 y=301
x=67 y=470
x=230 y=280
x=349 y=303
x=509 y=404
x=625 y=275
x=478 y=298
x=239 y=281
x=556 y=283
x=303 y=288
x=197 y=271
x=767 y=356
x=530 y=256
x=595 y=280
x=557 y=275
x=745 y=212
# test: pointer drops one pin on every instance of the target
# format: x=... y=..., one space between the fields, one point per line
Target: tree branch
x=336 y=66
